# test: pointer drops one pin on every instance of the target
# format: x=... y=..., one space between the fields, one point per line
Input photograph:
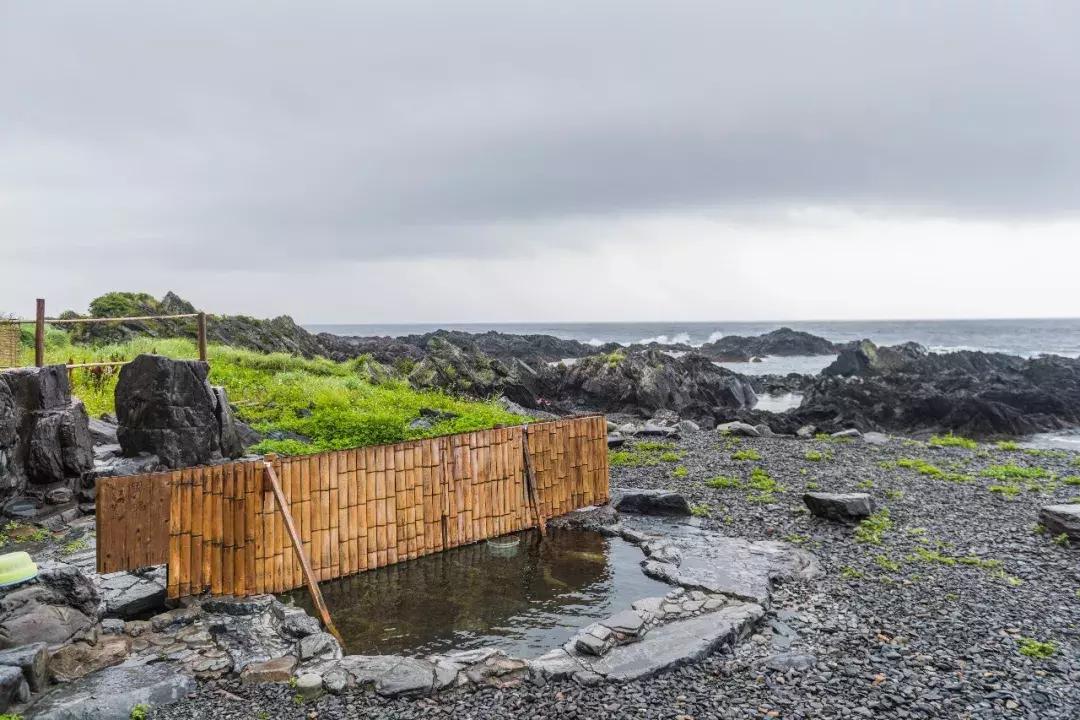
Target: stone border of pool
x=721 y=590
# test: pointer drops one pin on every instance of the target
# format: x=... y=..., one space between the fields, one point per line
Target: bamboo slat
x=222 y=529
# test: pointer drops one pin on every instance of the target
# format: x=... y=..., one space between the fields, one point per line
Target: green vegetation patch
x=643 y=454
x=1015 y=472
x=1034 y=648
x=745 y=455
x=335 y=405
x=1007 y=445
x=930 y=470
x=872 y=529
x=951 y=440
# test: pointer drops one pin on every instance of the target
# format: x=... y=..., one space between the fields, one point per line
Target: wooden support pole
x=309 y=575
x=530 y=483
x=39 y=334
x=202 y=336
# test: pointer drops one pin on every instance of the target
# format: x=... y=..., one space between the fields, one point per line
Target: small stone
x=32 y=660
x=739 y=429
x=112 y=626
x=849 y=433
x=135 y=628
x=652 y=604
x=806 y=431
x=278 y=670
x=309 y=686
x=335 y=682
x=714 y=603
x=175 y=618
x=320 y=645
x=626 y=622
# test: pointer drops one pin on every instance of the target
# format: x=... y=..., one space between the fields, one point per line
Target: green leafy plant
x=951 y=440
x=1007 y=445
x=1061 y=539
x=814 y=455
x=1015 y=472
x=139 y=712
x=723 y=482
x=849 y=573
x=894 y=494
x=1034 y=648
x=643 y=454
x=886 y=563
x=680 y=472
x=747 y=454
x=865 y=484
x=701 y=510
x=872 y=529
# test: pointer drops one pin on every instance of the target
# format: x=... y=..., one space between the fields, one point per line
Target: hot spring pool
x=524 y=599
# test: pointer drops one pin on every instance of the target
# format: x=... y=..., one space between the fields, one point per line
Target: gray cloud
x=274 y=132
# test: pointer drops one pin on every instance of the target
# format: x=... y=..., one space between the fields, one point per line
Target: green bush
x=951 y=440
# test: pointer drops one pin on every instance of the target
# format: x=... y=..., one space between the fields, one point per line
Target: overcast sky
x=549 y=160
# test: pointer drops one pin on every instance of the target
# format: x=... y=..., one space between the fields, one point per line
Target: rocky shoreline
x=901 y=389
x=936 y=613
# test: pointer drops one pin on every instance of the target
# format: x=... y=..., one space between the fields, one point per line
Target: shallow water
x=525 y=601
x=778 y=403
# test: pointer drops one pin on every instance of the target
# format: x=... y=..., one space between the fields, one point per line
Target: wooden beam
x=312 y=583
x=530 y=482
x=202 y=336
x=39 y=334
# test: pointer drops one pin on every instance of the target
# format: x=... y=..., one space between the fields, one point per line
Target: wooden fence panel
x=220 y=531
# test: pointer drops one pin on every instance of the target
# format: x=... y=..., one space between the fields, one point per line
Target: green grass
x=723 y=482
x=951 y=440
x=1006 y=490
x=336 y=405
x=1071 y=480
x=872 y=529
x=886 y=563
x=643 y=454
x=140 y=712
x=1007 y=445
x=1034 y=648
x=849 y=573
x=930 y=470
x=814 y=455
x=747 y=454
x=1015 y=472
x=680 y=472
x=701 y=510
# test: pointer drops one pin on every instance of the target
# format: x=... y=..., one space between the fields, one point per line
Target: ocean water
x=1016 y=337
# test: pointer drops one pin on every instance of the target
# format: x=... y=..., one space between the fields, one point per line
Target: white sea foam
x=679 y=339
x=595 y=342
x=714 y=337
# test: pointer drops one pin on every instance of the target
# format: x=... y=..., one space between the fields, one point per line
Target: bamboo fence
x=220 y=531
x=9 y=344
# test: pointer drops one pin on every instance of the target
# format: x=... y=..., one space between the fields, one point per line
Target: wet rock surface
x=839 y=506
x=925 y=641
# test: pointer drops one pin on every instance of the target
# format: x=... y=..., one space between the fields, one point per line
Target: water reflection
x=525 y=602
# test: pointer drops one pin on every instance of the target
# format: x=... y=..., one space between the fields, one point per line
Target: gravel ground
x=895 y=635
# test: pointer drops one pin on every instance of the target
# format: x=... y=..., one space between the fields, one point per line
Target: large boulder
x=169 y=409
x=44 y=435
x=460 y=370
x=646 y=382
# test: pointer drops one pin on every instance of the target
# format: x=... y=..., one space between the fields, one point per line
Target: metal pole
x=202 y=336
x=39 y=334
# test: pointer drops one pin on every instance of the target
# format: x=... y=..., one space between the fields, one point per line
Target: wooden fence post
x=39 y=334
x=202 y=336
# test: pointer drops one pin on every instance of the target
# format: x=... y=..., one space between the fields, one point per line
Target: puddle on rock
x=525 y=599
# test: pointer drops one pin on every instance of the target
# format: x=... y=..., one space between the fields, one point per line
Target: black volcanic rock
x=905 y=389
x=784 y=342
x=645 y=382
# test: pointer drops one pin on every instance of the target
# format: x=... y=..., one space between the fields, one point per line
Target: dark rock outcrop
x=783 y=342
x=1061 y=520
x=980 y=394
x=169 y=409
x=45 y=441
x=643 y=383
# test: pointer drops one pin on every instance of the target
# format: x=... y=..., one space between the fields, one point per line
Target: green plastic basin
x=15 y=568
